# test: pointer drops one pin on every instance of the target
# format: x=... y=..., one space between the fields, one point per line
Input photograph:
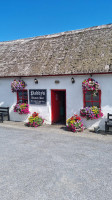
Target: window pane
x=20 y=93
x=25 y=95
x=96 y=97
x=25 y=101
x=22 y=97
x=25 y=92
x=88 y=96
x=96 y=104
x=88 y=104
x=20 y=101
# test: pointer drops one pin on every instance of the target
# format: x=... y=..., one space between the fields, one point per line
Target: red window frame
x=24 y=100
x=92 y=101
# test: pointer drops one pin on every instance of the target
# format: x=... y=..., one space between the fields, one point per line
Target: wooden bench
x=1 y=117
x=108 y=123
x=4 y=111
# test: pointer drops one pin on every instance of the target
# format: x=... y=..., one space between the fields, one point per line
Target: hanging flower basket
x=91 y=112
x=91 y=85
x=75 y=124
x=17 y=85
x=21 y=108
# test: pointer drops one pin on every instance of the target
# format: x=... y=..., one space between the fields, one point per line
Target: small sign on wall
x=38 y=97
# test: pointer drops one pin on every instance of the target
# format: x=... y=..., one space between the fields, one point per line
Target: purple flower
x=17 y=85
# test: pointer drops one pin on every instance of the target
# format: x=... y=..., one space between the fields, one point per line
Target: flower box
x=21 y=108
x=91 y=112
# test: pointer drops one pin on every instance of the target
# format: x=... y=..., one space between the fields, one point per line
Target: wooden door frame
x=63 y=90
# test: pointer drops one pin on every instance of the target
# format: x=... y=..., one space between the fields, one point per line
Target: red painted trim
x=84 y=100
x=58 y=90
x=51 y=103
x=17 y=97
x=100 y=97
x=75 y=74
x=65 y=108
x=22 y=95
x=51 y=108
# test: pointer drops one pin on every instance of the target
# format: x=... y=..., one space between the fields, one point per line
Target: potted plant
x=75 y=124
x=34 y=120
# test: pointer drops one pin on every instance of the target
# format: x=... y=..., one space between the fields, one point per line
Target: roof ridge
x=61 y=33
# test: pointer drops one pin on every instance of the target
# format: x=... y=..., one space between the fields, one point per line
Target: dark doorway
x=58 y=106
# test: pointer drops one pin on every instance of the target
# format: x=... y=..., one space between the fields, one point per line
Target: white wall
x=74 y=96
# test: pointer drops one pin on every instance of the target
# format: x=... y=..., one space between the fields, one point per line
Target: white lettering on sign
x=32 y=92
x=38 y=96
x=38 y=93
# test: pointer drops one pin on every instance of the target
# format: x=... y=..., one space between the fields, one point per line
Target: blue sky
x=29 y=18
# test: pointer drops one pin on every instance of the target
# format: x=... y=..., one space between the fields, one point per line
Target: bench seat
x=1 y=117
x=4 y=111
x=108 y=123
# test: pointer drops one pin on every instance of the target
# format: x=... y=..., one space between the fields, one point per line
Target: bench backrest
x=109 y=117
x=4 y=109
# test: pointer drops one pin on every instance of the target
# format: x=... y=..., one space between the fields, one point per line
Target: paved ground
x=49 y=163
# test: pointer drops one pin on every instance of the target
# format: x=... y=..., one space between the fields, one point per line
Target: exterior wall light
x=57 y=81
x=72 y=80
x=36 y=81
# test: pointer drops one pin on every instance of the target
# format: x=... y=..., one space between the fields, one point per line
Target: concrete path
x=50 y=163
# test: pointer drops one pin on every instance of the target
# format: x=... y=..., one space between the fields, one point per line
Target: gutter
x=79 y=74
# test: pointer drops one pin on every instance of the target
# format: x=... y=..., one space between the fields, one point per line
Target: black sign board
x=38 y=97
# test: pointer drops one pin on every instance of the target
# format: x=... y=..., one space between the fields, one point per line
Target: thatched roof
x=73 y=52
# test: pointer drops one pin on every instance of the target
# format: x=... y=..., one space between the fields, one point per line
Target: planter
x=21 y=108
x=75 y=124
x=19 y=118
x=91 y=124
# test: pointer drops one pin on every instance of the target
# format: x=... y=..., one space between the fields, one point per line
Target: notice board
x=38 y=97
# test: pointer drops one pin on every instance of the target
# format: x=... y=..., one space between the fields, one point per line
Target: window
x=91 y=100
x=22 y=96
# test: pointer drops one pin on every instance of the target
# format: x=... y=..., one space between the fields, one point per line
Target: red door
x=55 y=106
